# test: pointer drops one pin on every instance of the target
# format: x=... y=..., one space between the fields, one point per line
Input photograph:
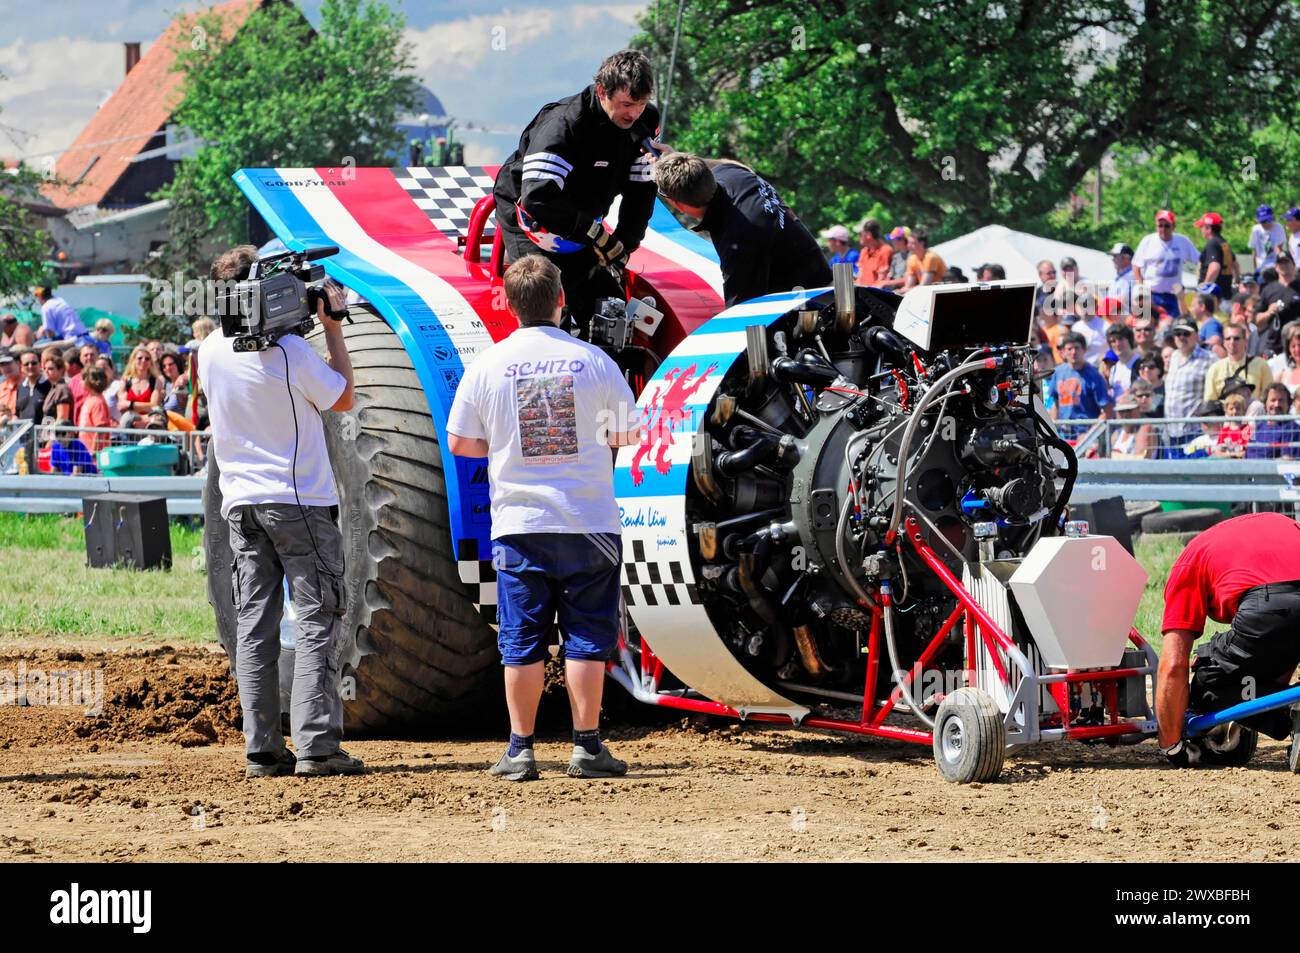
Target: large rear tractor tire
x=413 y=651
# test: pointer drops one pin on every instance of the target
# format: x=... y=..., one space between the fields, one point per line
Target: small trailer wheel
x=1231 y=745
x=969 y=738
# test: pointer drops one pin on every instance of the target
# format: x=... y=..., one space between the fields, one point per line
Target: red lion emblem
x=670 y=403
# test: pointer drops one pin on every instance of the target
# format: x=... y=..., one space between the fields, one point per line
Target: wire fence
x=67 y=450
x=1265 y=437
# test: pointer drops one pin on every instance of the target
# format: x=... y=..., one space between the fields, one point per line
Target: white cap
x=838 y=232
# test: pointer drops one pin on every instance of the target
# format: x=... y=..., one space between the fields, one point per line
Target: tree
x=952 y=113
x=278 y=93
x=23 y=247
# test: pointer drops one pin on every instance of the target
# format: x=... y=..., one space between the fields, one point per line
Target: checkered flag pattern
x=657 y=582
x=447 y=194
x=481 y=577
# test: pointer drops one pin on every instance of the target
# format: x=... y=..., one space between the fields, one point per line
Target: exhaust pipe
x=702 y=467
x=708 y=539
x=808 y=652
x=756 y=348
x=845 y=297
x=723 y=407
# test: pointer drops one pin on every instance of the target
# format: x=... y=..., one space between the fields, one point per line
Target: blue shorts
x=1167 y=300
x=572 y=575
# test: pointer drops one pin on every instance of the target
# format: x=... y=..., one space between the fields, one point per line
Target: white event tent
x=1019 y=253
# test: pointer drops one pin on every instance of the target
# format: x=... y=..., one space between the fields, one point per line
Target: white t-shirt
x=1293 y=242
x=1264 y=242
x=253 y=422
x=546 y=404
x=111 y=394
x=1162 y=262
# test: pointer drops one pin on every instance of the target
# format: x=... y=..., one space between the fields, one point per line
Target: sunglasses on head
x=1182 y=334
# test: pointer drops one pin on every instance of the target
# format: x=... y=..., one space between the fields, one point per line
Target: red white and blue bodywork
x=410 y=242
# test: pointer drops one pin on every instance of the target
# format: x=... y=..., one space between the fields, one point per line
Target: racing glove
x=608 y=249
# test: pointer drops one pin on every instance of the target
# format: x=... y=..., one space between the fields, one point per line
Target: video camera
x=279 y=297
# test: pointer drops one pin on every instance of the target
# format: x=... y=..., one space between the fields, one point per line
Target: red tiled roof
x=125 y=125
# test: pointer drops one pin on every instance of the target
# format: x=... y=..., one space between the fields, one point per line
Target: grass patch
x=47 y=590
x=1156 y=553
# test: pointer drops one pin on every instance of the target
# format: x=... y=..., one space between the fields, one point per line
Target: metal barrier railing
x=1150 y=438
x=68 y=450
x=12 y=435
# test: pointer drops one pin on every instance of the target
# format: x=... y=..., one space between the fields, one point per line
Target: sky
x=60 y=60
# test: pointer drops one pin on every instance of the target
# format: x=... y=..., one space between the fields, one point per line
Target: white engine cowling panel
x=1079 y=596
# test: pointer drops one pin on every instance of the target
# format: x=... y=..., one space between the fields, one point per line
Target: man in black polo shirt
x=1279 y=302
x=762 y=246
x=1215 y=275
x=576 y=156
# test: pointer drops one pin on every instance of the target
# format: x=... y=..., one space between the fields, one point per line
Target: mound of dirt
x=177 y=696
x=191 y=704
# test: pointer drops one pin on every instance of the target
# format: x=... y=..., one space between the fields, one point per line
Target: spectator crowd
x=1141 y=345
x=66 y=381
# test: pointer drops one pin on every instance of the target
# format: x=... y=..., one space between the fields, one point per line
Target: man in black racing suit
x=762 y=246
x=574 y=158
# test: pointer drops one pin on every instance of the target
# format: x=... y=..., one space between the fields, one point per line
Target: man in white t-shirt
x=1292 y=220
x=545 y=409
x=1266 y=239
x=278 y=498
x=1160 y=260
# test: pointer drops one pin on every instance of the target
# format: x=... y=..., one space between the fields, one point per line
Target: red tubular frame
x=979 y=625
x=474 y=229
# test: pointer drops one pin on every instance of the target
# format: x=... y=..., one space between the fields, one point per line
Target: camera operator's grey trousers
x=271 y=543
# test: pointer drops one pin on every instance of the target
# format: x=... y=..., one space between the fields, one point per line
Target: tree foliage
x=278 y=93
x=955 y=113
x=1140 y=181
x=24 y=247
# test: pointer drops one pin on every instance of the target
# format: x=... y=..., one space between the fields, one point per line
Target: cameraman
x=278 y=497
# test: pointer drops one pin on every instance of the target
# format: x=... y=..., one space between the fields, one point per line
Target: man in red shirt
x=1246 y=572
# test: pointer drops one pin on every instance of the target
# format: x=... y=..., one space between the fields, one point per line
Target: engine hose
x=864 y=599
x=905 y=446
x=904 y=687
x=1071 y=473
x=732 y=462
x=790 y=370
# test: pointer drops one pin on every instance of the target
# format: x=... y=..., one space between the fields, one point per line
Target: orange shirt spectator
x=873 y=266
x=931 y=265
x=874 y=263
x=94 y=411
x=924 y=267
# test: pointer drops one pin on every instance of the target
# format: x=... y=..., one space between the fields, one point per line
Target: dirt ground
x=158 y=776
